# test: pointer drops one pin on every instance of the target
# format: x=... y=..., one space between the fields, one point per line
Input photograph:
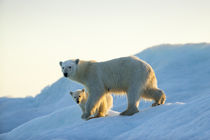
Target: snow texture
x=183 y=72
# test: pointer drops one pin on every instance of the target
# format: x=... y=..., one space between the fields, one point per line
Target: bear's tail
x=154 y=94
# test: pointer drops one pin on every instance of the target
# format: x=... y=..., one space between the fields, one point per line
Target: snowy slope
x=183 y=72
x=49 y=100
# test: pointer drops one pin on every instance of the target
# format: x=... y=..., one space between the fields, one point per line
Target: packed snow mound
x=183 y=72
x=49 y=100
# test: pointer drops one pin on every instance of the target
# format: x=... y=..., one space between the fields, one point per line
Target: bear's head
x=78 y=96
x=69 y=67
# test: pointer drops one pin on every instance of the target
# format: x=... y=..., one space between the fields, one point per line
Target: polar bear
x=126 y=75
x=80 y=97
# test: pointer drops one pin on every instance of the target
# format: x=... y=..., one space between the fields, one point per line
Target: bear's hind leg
x=133 y=97
x=161 y=99
x=155 y=94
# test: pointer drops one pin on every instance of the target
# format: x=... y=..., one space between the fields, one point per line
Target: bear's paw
x=85 y=116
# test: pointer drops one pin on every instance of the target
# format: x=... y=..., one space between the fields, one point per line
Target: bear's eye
x=62 y=67
x=69 y=67
x=79 y=96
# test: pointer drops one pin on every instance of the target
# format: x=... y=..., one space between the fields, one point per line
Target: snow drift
x=183 y=72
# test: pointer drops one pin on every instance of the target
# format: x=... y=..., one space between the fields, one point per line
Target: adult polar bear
x=128 y=75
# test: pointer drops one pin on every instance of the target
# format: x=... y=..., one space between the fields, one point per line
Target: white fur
x=80 y=97
x=126 y=75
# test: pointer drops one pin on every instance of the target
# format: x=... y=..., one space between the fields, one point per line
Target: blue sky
x=37 y=34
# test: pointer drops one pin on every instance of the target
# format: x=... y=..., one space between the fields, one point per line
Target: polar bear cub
x=80 y=97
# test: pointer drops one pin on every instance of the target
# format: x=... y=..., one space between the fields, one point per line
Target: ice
x=183 y=72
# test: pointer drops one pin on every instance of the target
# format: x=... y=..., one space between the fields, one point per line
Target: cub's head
x=69 y=67
x=78 y=95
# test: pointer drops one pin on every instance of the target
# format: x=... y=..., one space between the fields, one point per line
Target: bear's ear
x=61 y=63
x=77 y=61
x=71 y=93
x=83 y=90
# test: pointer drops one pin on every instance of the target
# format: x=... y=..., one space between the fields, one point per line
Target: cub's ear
x=60 y=63
x=83 y=90
x=77 y=61
x=71 y=93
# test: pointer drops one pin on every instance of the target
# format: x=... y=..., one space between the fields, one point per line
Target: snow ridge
x=183 y=72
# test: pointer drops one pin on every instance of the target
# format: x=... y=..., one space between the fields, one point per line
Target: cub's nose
x=65 y=74
x=78 y=101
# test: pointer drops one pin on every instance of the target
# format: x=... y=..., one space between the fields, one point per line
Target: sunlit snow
x=183 y=72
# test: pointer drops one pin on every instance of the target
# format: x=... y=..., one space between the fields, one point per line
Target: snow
x=183 y=72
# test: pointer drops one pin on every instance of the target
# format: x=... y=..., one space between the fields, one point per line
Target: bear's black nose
x=65 y=74
x=77 y=101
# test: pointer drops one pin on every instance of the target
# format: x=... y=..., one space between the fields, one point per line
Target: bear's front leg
x=92 y=103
